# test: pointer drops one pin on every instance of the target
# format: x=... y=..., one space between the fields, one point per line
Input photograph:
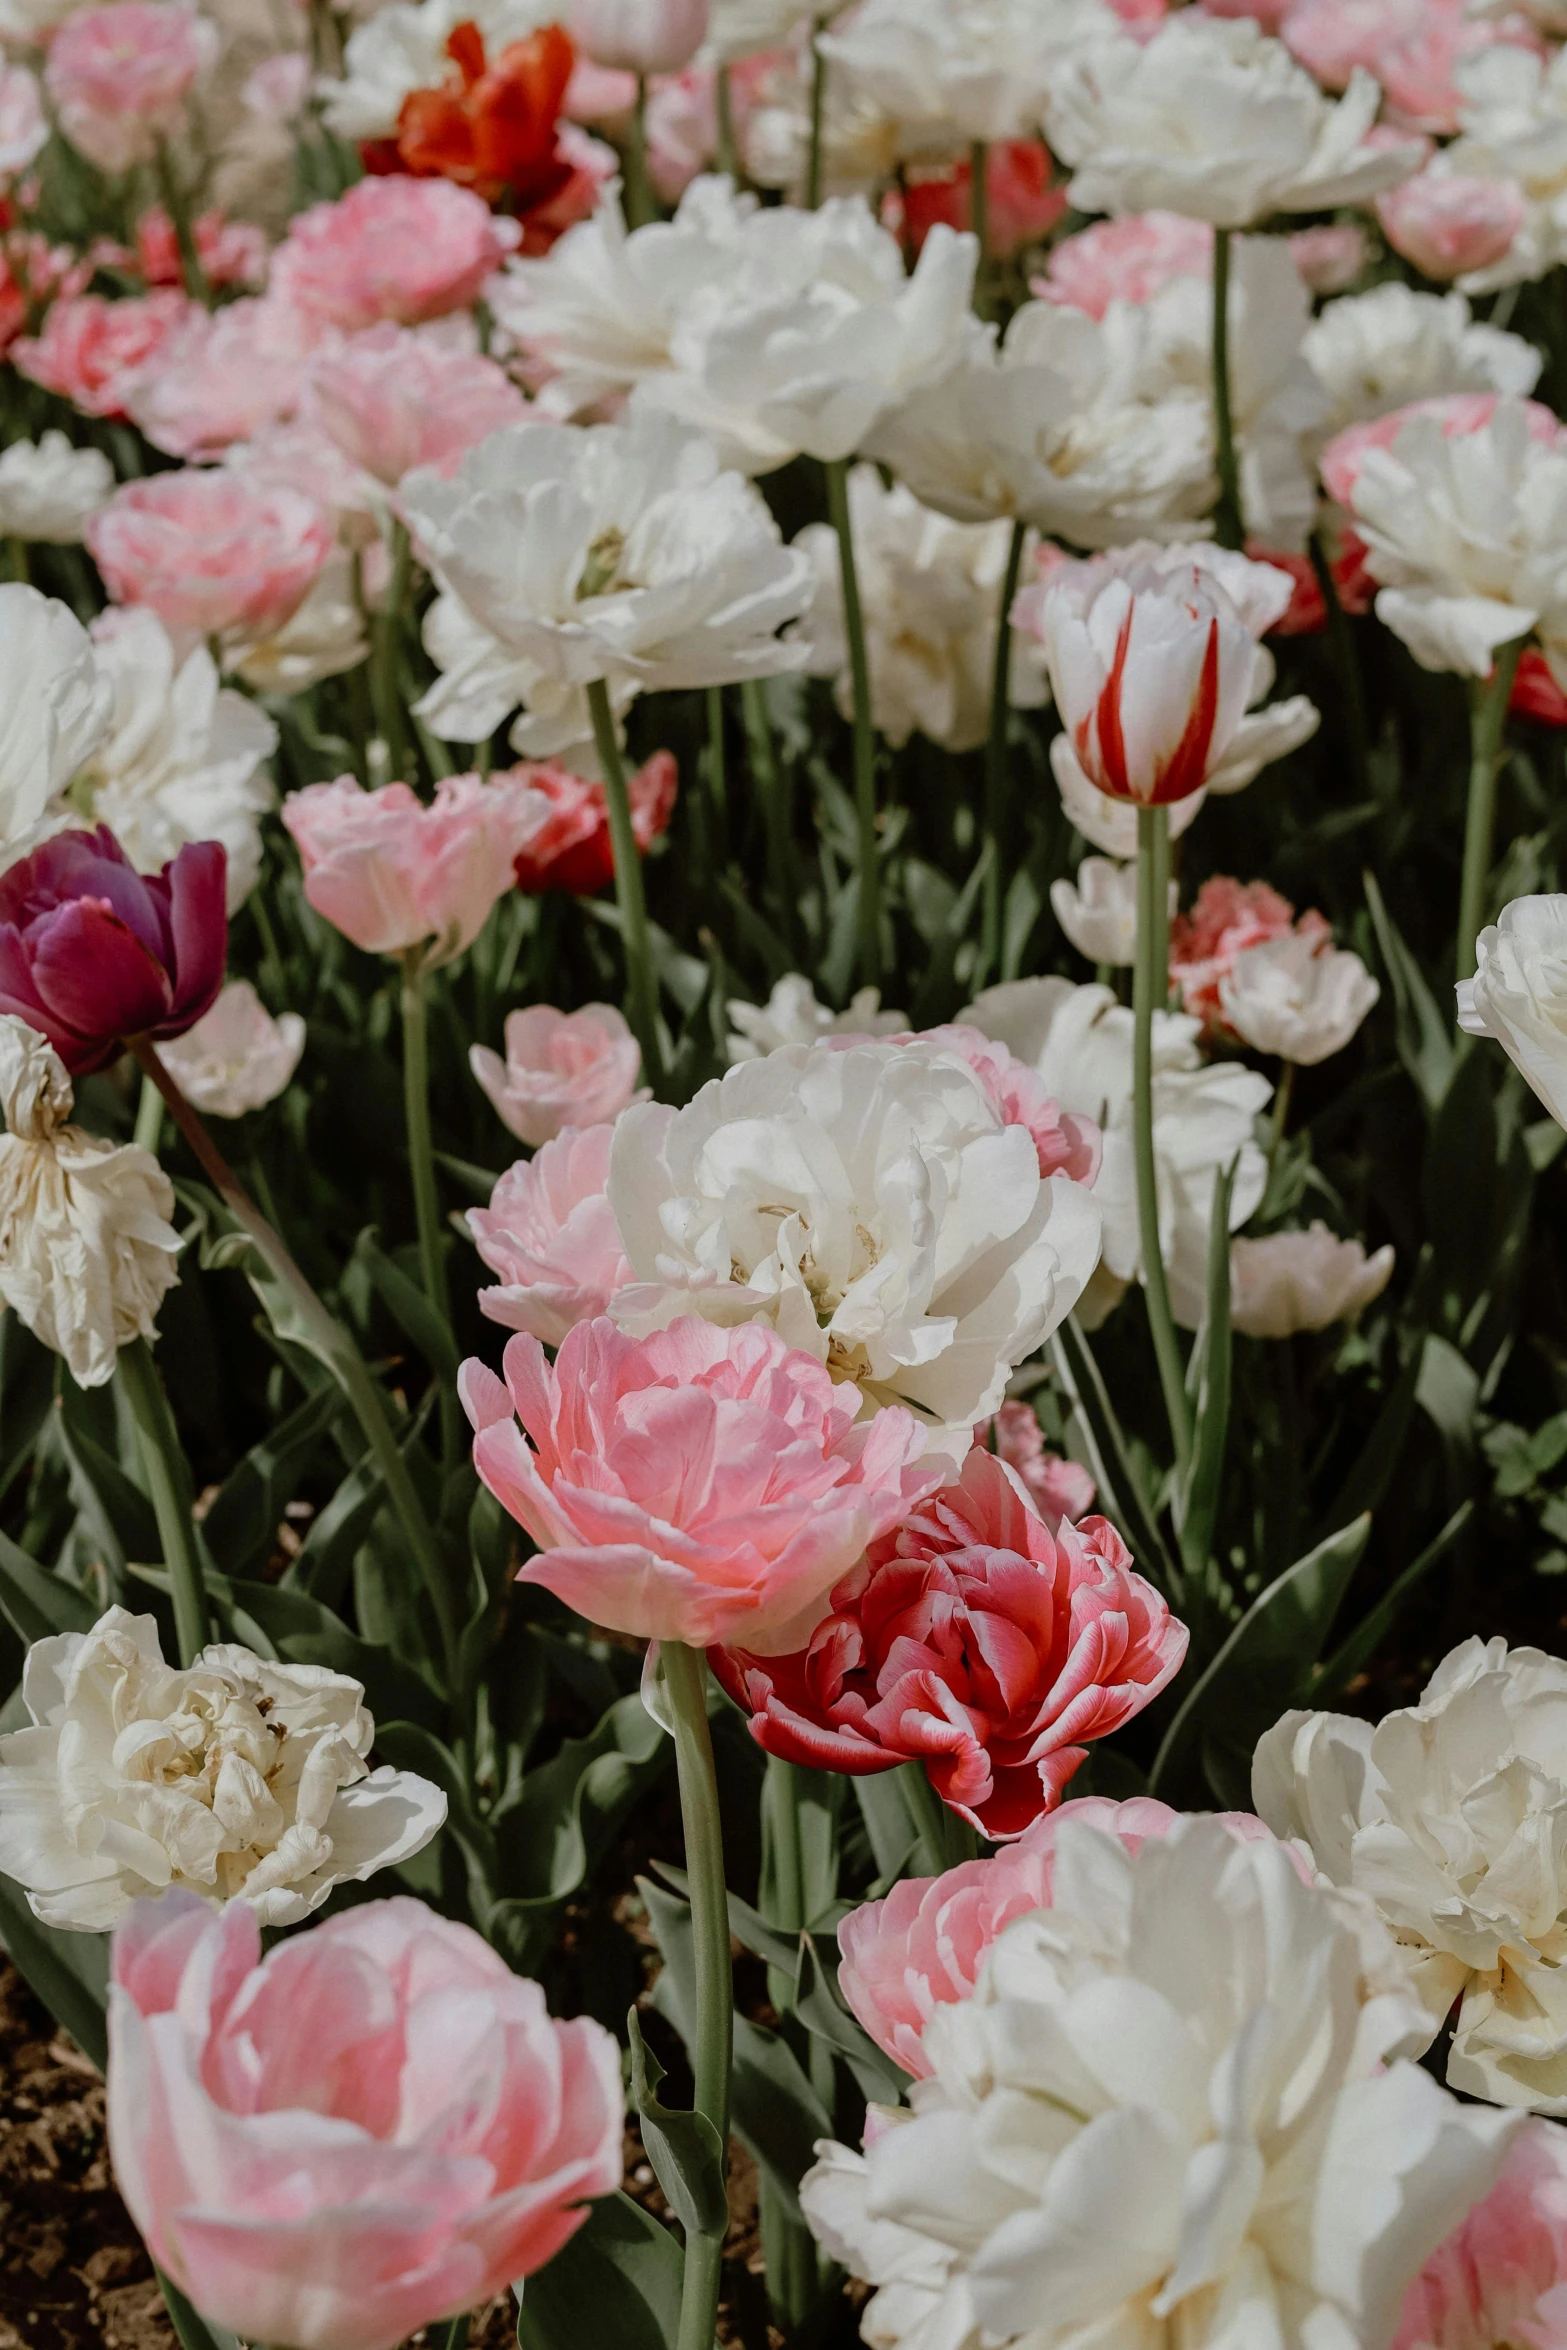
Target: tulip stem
x=1150 y=988
x=641 y=985
x=1488 y=698
x=169 y=1489
x=178 y=209
x=326 y=1338
x=685 y=1678
x=979 y=222
x=929 y=1816
x=421 y=1162
x=724 y=104
x=639 y=202
x=1228 y=527
x=149 y=1118
x=816 y=158
x=868 y=911
x=996 y=757
x=1341 y=645
x=388 y=629
x=777 y=813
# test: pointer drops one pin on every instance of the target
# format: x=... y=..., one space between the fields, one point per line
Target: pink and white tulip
x=393 y=397
x=1446 y=224
x=1502 y=2276
x=119 y=76
x=550 y=1235
x=403 y=249
x=210 y=551
x=561 y=1069
x=638 y=36
x=392 y=874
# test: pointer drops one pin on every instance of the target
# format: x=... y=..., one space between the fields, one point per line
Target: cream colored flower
x=1302 y=1281
x=236 y=1779
x=48 y=489
x=1519 y=994
x=237 y=1057
x=1291 y=997
x=54 y=706
x=792 y=1015
x=1378 y=351
x=86 y=1247
x=948 y=72
x=1098 y=911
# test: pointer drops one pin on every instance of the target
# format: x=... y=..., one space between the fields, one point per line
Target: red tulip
x=493 y=127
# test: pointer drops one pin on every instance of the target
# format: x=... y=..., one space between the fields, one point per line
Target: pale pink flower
x=922 y=1947
x=638 y=36
x=1226 y=918
x=1447 y=224
x=24 y=129
x=1417 y=70
x=550 y=1235
x=1329 y=258
x=1330 y=38
x=561 y=1069
x=372 y=2127
x=1066 y=1143
x=1501 y=2278
x=394 y=397
x=90 y=349
x=600 y=95
x=391 y=873
x=1270 y=14
x=119 y=76
x=277 y=88
x=699 y=1484
x=404 y=249
x=1059 y=1489
x=1460 y=412
x=210 y=551
x=1125 y=261
x=222 y=376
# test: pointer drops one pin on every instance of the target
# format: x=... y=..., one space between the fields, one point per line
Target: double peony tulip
x=392 y=874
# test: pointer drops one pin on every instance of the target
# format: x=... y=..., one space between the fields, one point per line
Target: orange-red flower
x=492 y=125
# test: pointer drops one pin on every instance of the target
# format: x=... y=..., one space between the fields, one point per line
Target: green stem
x=149 y=1118
x=724 y=101
x=169 y=1485
x=641 y=985
x=868 y=911
x=178 y=209
x=717 y=772
x=685 y=1677
x=996 y=756
x=384 y=683
x=421 y=1162
x=816 y=159
x=1228 y=526
x=21 y=569
x=639 y=200
x=1488 y=699
x=1150 y=988
x=777 y=814
x=929 y=1814
x=327 y=1339
x=1341 y=645
x=979 y=222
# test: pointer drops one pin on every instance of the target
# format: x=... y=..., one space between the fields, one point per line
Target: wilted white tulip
x=1098 y=911
x=235 y=1778
x=1293 y=1281
x=1291 y=997
x=1518 y=994
x=86 y=1247
x=237 y=1057
x=48 y=489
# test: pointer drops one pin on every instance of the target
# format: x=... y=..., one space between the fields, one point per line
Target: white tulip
x=402 y=48
x=48 y=489
x=638 y=36
x=613 y=552
x=1518 y=994
x=54 y=706
x=1378 y=351
x=1079 y=1039
x=322 y=637
x=237 y=1057
x=792 y=1015
x=24 y=126
x=948 y=72
x=1513 y=127
x=1213 y=118
x=930 y=591
x=1452 y=1816
x=1302 y=1281
x=869 y=1202
x=740 y=28
x=1098 y=911
x=1291 y=997
x=236 y=1779
x=482 y=680
x=1173 y=2114
x=183 y=758
x=86 y=1247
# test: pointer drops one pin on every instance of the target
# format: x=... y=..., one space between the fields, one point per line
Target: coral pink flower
x=223 y=376
x=571 y=850
x=1501 y=2278
x=210 y=551
x=1446 y=225
x=1461 y=412
x=394 y=397
x=404 y=249
x=1066 y=1143
x=974 y=1640
x=922 y=1947
x=231 y=252
x=92 y=951
x=372 y=2127
x=700 y=1484
x=1125 y=261
x=90 y=349
x=391 y=873
x=119 y=76
x=1057 y=1488
x=1535 y=692
x=1226 y=918
x=561 y=1069
x=550 y=1234
x=1023 y=205
x=1329 y=258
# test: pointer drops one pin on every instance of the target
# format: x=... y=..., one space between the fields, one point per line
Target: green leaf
x=1425 y=1033
x=1120 y=1491
x=563 y=1820
x=407 y=1747
x=683 y=2147
x=195 y=2333
x=748 y=1926
x=37 y=1603
x=118 y=1514
x=1208 y=1383
x=614 y=2286
x=822 y=2012
x=68 y=1972
x=1368 y=1480
x=408 y=1306
x=326 y=1556
x=239 y=1526
x=1355 y=1653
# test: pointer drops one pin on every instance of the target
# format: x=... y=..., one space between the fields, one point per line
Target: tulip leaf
x=1354 y=1654
x=615 y=2285
x=407 y=1747
x=684 y=2148
x=37 y=1603
x=822 y=2012
x=1114 y=1472
x=241 y=1523
x=116 y=1511
x=408 y=1306
x=68 y=1972
x=195 y=2332
x=1425 y=1033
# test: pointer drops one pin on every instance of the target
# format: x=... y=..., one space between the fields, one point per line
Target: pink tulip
x=90 y=350
x=1065 y=1143
x=1446 y=226
x=700 y=1484
x=638 y=36
x=1125 y=261
x=1501 y=2278
x=231 y=252
x=391 y=873
x=398 y=248
x=549 y=1232
x=1417 y=70
x=1460 y=412
x=1330 y=38
x=1329 y=258
x=561 y=1069
x=375 y=2126
x=922 y=1947
x=223 y=376
x=1059 y=1489
x=393 y=398
x=1226 y=918
x=209 y=551
x=974 y=1640
x=119 y=76
x=1535 y=692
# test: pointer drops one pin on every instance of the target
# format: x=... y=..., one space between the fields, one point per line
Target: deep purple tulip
x=92 y=952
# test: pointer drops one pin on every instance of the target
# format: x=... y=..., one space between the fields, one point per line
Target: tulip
x=210 y=551
x=571 y=849
x=639 y=36
x=1502 y=2275
x=1447 y=224
x=495 y=129
x=391 y=248
x=561 y=1069
x=1057 y=1488
x=392 y=874
x=1296 y=997
x=1226 y=920
x=549 y=1232
x=1518 y=994
x=93 y=953
x=376 y=2125
x=1098 y=911
x=1293 y=1281
x=392 y=399
x=237 y=1057
x=119 y=76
